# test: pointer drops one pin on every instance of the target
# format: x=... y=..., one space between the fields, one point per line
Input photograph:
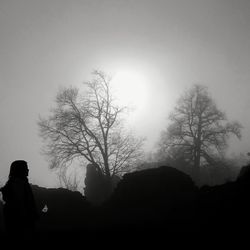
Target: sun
x=131 y=89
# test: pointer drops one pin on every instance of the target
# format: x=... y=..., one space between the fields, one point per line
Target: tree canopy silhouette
x=88 y=125
x=198 y=130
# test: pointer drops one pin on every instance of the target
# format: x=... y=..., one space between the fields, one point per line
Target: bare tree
x=198 y=130
x=88 y=126
x=70 y=178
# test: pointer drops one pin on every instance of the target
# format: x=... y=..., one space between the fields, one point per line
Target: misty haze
x=124 y=116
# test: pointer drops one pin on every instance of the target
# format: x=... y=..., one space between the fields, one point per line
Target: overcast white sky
x=45 y=44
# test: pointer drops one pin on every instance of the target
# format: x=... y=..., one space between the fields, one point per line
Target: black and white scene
x=124 y=121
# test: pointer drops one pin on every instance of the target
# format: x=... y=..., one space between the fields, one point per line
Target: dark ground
x=148 y=208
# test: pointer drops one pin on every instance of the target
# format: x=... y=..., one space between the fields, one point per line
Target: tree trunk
x=197 y=157
x=108 y=179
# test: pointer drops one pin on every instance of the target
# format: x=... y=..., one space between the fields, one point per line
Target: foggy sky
x=51 y=43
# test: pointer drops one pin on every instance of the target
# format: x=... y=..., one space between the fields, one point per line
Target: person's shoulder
x=17 y=183
x=17 y=180
x=5 y=186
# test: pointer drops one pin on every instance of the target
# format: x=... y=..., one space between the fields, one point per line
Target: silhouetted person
x=20 y=213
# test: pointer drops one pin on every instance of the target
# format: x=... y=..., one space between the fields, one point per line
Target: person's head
x=19 y=169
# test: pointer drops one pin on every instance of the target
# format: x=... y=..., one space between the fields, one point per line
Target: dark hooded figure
x=20 y=213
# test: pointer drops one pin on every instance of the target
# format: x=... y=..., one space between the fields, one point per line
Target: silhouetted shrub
x=66 y=209
x=98 y=187
x=244 y=175
x=153 y=195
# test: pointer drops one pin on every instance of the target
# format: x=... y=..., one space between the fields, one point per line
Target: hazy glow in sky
x=158 y=48
x=131 y=88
